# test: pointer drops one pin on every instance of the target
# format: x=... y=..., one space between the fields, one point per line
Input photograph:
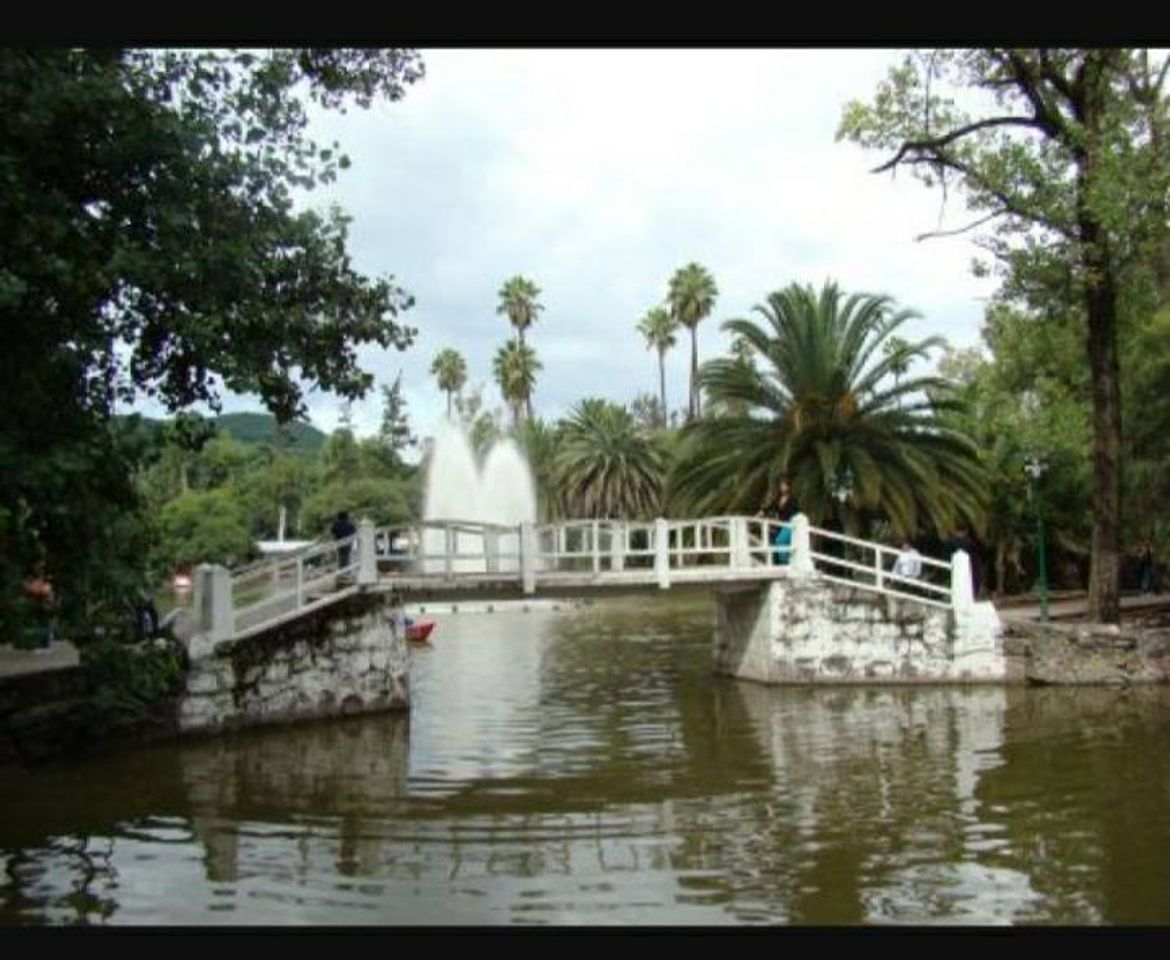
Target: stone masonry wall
x=807 y=630
x=343 y=659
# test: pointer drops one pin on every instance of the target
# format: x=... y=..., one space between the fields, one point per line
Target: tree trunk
x=662 y=383
x=693 y=406
x=1101 y=310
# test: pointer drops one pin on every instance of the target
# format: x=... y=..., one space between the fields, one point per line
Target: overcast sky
x=597 y=174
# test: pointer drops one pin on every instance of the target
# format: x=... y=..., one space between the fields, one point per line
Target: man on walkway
x=343 y=529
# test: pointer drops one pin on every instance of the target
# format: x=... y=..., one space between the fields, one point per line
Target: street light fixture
x=1034 y=467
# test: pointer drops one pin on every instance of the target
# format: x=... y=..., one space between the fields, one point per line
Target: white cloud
x=597 y=174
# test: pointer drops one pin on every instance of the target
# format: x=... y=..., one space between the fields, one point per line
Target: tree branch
x=953 y=233
x=936 y=143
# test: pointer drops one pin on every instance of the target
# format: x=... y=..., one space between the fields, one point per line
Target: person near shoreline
x=1146 y=568
x=782 y=509
x=38 y=590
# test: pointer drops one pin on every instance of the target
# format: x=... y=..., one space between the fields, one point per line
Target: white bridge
x=462 y=558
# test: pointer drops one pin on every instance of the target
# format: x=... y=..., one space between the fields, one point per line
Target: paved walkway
x=1067 y=607
x=15 y=662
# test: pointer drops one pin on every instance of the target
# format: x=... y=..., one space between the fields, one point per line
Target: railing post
x=367 y=572
x=737 y=535
x=962 y=593
x=491 y=549
x=448 y=550
x=596 y=547
x=213 y=600
x=879 y=577
x=662 y=553
x=617 y=546
x=800 y=561
x=528 y=556
x=299 y=584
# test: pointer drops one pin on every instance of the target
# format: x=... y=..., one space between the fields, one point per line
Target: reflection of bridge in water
x=456 y=559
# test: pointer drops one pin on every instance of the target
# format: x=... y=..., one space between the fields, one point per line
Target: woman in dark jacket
x=782 y=508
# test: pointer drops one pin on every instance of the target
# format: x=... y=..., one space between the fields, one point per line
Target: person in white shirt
x=909 y=562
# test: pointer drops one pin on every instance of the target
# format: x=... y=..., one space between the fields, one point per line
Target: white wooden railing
x=577 y=553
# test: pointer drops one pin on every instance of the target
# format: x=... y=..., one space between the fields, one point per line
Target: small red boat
x=419 y=631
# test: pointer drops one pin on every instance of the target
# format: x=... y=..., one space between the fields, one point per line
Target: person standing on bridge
x=782 y=509
x=343 y=530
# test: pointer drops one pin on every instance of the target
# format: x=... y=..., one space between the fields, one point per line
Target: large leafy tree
x=658 y=328
x=515 y=367
x=152 y=247
x=1063 y=152
x=822 y=405
x=605 y=467
x=691 y=297
x=450 y=370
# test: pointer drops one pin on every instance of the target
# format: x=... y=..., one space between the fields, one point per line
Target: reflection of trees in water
x=284 y=783
x=865 y=782
x=1084 y=792
x=34 y=879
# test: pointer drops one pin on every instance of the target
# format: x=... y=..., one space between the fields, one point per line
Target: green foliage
x=205 y=526
x=822 y=406
x=129 y=680
x=658 y=328
x=515 y=367
x=297 y=437
x=385 y=501
x=151 y=247
x=605 y=467
x=394 y=432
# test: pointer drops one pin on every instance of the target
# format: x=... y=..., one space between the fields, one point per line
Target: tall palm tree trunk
x=662 y=383
x=693 y=405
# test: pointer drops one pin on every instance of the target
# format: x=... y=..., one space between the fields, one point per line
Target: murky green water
x=586 y=768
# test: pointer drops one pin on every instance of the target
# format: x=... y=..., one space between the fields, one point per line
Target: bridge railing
x=870 y=566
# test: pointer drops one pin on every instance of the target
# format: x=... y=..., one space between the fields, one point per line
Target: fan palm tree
x=515 y=367
x=658 y=327
x=450 y=370
x=824 y=407
x=691 y=298
x=604 y=466
x=518 y=302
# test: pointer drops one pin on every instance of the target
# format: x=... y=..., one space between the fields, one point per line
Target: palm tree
x=658 y=327
x=691 y=297
x=538 y=440
x=604 y=466
x=518 y=302
x=515 y=366
x=450 y=370
x=823 y=408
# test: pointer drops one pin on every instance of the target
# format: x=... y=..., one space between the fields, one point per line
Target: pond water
x=585 y=767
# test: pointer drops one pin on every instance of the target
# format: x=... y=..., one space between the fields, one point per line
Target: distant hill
x=249 y=428
x=304 y=438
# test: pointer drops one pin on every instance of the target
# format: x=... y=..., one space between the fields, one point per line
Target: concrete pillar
x=367 y=556
x=617 y=545
x=528 y=556
x=800 y=561
x=213 y=601
x=662 y=553
x=595 y=534
x=962 y=593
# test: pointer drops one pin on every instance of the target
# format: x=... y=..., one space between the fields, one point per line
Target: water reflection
x=588 y=768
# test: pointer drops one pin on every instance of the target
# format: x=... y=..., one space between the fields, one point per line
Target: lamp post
x=1034 y=467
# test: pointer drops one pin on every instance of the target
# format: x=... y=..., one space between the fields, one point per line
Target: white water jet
x=455 y=490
